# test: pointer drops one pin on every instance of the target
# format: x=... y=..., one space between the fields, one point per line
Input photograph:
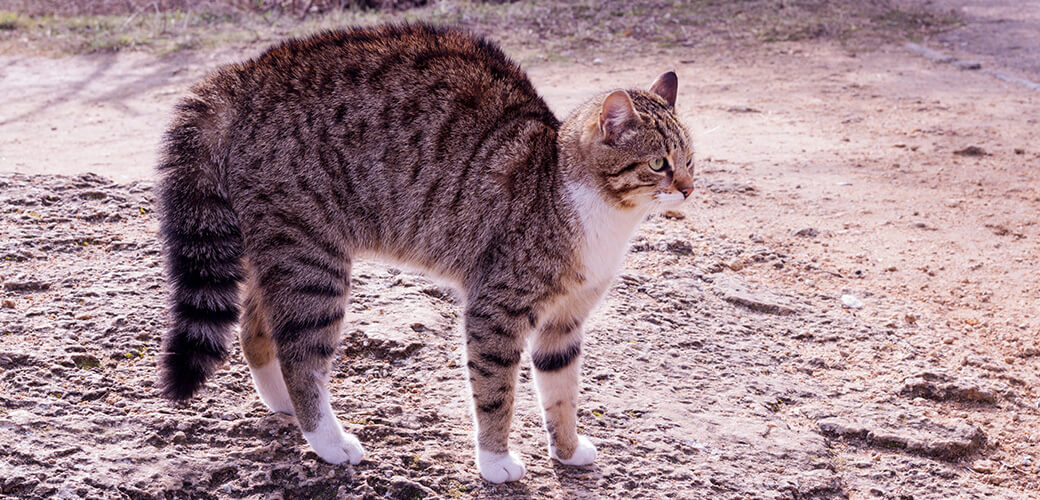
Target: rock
x=8 y=304
x=86 y=361
x=931 y=55
x=941 y=387
x=971 y=151
x=735 y=264
x=597 y=61
x=1020 y=151
x=922 y=437
x=985 y=363
x=984 y=466
x=807 y=233
x=359 y=344
x=720 y=186
x=26 y=286
x=742 y=109
x=402 y=487
x=737 y=292
x=816 y=483
x=679 y=247
x=851 y=302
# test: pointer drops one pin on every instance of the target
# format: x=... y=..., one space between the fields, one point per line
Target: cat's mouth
x=665 y=201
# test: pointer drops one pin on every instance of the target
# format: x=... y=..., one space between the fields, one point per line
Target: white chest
x=607 y=231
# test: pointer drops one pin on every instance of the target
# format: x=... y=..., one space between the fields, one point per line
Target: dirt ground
x=847 y=309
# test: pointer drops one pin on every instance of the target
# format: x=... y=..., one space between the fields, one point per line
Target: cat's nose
x=686 y=191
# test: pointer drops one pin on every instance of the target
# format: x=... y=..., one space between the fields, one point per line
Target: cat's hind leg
x=556 y=356
x=304 y=292
x=259 y=351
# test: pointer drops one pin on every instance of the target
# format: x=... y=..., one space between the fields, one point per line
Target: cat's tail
x=202 y=248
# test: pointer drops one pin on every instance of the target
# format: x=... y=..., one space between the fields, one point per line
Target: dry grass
x=128 y=7
x=556 y=30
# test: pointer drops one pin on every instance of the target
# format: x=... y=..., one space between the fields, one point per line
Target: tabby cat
x=423 y=146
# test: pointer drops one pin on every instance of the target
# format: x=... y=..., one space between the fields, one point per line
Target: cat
x=420 y=145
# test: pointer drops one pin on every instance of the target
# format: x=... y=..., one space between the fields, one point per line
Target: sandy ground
x=723 y=364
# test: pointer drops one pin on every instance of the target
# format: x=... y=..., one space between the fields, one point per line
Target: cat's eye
x=658 y=164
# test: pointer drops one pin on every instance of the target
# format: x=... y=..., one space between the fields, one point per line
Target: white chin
x=667 y=201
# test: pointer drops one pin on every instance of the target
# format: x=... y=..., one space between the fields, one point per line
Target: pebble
x=984 y=466
x=8 y=304
x=807 y=232
x=597 y=61
x=851 y=302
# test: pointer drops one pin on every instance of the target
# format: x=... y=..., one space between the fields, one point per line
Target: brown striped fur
x=420 y=145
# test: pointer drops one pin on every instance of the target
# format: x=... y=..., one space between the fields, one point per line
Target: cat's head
x=631 y=147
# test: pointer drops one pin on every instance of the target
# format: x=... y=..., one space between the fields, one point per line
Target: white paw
x=498 y=467
x=271 y=387
x=334 y=445
x=583 y=455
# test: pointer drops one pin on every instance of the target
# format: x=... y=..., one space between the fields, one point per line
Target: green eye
x=658 y=164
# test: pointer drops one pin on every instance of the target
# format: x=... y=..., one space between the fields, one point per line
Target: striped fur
x=419 y=145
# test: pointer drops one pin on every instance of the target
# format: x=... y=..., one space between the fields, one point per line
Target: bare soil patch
x=825 y=170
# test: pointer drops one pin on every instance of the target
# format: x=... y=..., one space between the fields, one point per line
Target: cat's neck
x=605 y=232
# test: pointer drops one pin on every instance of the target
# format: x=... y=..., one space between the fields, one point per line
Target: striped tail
x=202 y=250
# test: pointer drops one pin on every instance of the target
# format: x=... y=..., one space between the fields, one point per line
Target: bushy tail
x=202 y=249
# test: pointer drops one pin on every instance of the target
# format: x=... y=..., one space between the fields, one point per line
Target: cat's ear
x=617 y=114
x=666 y=86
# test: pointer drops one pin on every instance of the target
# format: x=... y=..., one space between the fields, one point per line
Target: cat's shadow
x=578 y=482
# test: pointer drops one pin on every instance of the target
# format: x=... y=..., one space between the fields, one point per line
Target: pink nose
x=686 y=191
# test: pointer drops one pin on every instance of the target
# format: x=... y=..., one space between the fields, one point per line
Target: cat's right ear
x=617 y=114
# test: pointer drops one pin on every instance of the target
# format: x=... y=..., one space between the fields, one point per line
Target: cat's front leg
x=556 y=356
x=494 y=341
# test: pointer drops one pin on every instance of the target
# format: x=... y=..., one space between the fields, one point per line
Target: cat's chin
x=668 y=201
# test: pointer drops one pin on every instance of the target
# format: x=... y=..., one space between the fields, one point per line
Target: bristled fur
x=419 y=145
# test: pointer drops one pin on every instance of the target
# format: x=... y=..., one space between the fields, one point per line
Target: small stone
x=807 y=233
x=911 y=319
x=971 y=151
x=971 y=65
x=735 y=264
x=679 y=247
x=673 y=214
x=597 y=61
x=984 y=466
x=26 y=286
x=1020 y=151
x=851 y=302
x=737 y=292
x=8 y=304
x=179 y=437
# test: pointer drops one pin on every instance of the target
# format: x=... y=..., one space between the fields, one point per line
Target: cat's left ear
x=666 y=86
